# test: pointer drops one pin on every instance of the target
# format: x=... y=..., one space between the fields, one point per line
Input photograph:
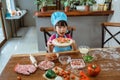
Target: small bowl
x=84 y=49
x=88 y=58
x=64 y=60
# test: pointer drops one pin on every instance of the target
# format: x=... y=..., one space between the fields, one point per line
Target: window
x=10 y=5
x=3 y=37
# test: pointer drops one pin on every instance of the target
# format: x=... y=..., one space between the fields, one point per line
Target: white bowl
x=64 y=59
x=80 y=8
x=77 y=63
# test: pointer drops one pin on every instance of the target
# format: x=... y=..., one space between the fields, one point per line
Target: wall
x=29 y=19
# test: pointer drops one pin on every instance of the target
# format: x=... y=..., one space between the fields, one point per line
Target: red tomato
x=93 y=69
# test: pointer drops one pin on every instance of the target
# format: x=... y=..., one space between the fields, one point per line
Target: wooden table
x=108 y=59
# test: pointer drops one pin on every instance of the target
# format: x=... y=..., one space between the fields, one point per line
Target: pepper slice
x=87 y=58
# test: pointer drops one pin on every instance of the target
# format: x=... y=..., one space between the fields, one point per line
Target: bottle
x=108 y=4
x=109 y=8
x=33 y=60
x=105 y=7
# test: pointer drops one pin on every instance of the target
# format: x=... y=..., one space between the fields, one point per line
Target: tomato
x=73 y=77
x=93 y=69
x=18 y=78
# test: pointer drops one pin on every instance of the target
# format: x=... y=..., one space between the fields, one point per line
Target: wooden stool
x=112 y=36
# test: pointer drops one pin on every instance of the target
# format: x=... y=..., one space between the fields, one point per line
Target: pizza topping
x=25 y=69
x=66 y=75
x=88 y=58
x=63 y=40
x=44 y=65
x=77 y=63
x=83 y=76
x=51 y=56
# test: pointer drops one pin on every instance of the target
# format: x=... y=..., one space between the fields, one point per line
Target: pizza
x=62 y=41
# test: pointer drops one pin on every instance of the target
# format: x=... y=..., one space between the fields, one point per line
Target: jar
x=100 y=7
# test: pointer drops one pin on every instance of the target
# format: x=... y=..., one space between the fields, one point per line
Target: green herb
x=88 y=58
x=40 y=3
x=67 y=3
x=94 y=66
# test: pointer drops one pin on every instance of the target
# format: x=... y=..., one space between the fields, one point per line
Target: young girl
x=59 y=20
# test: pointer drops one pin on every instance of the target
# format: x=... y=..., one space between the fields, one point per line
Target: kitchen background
x=29 y=18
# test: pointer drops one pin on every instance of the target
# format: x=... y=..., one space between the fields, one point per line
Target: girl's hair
x=61 y=23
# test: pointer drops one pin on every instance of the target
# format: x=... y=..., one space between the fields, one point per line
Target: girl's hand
x=50 y=43
x=73 y=41
x=50 y=46
x=74 y=47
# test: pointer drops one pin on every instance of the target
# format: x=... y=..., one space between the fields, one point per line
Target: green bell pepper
x=50 y=74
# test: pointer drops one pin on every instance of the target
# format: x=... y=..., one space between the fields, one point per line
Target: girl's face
x=61 y=30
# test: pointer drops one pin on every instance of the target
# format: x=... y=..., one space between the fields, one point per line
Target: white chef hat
x=58 y=16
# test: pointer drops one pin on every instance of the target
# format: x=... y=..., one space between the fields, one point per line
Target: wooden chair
x=112 y=36
x=47 y=31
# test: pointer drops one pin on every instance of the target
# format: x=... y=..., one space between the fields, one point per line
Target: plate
x=51 y=56
x=66 y=75
x=45 y=65
x=62 y=42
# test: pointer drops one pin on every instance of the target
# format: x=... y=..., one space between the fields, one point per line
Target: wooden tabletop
x=108 y=59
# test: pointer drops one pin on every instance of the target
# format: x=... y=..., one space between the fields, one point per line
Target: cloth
x=58 y=16
x=60 y=49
